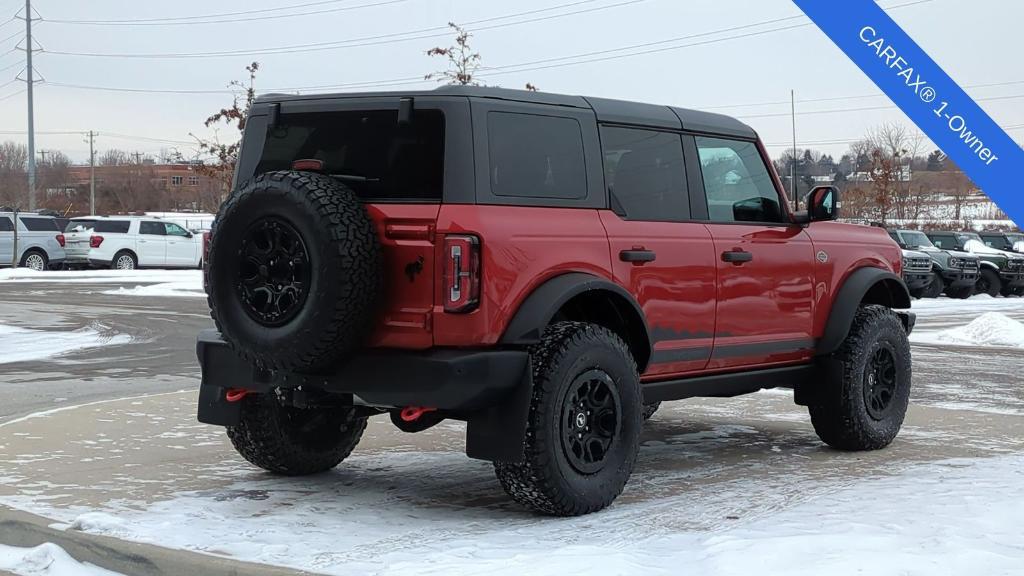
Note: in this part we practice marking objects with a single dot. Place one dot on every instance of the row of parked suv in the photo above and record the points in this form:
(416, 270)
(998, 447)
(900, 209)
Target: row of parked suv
(961, 264)
(119, 242)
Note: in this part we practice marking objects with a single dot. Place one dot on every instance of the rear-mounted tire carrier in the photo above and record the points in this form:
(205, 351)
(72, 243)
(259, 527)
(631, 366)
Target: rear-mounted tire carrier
(294, 271)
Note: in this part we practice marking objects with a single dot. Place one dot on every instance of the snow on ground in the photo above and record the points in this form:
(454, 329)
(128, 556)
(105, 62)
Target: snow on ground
(193, 277)
(980, 303)
(189, 289)
(954, 517)
(24, 344)
(989, 329)
(45, 560)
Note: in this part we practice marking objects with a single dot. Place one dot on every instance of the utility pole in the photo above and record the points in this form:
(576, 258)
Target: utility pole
(30, 82)
(92, 174)
(792, 164)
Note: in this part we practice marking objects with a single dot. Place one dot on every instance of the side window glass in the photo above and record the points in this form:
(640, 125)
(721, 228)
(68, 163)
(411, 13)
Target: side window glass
(152, 228)
(737, 183)
(175, 230)
(536, 156)
(645, 174)
(6, 224)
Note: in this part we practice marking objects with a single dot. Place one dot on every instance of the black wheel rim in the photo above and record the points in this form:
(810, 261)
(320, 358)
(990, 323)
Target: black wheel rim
(982, 285)
(273, 272)
(880, 381)
(590, 420)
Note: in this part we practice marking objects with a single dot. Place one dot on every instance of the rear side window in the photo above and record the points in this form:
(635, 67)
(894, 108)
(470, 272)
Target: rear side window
(5, 224)
(153, 228)
(536, 156)
(367, 150)
(645, 174)
(737, 183)
(112, 226)
(40, 224)
(74, 225)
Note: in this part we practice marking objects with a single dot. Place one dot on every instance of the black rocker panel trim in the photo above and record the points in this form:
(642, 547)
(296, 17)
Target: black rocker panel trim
(730, 384)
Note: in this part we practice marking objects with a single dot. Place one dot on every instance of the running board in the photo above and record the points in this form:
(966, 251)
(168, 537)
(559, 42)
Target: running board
(728, 385)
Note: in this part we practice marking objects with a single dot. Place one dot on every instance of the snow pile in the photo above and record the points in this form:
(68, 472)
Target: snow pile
(956, 517)
(25, 275)
(189, 289)
(23, 344)
(989, 329)
(45, 560)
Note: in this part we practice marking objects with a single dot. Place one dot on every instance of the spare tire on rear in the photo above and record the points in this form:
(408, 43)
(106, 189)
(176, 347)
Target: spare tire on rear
(293, 271)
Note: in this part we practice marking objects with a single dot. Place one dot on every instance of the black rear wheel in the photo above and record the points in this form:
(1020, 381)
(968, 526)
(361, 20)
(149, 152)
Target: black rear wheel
(584, 424)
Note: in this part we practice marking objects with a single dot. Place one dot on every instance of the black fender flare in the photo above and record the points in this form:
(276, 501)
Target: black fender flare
(850, 296)
(537, 310)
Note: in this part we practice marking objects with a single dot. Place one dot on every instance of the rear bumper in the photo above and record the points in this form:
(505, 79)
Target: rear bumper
(451, 380)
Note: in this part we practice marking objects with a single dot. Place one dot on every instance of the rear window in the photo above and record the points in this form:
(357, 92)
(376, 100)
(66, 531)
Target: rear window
(367, 150)
(40, 224)
(112, 226)
(536, 156)
(75, 224)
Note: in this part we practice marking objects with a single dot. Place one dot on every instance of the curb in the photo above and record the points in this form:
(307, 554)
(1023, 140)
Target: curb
(129, 558)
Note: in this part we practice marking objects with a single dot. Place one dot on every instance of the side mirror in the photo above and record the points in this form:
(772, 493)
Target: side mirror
(823, 204)
(188, 234)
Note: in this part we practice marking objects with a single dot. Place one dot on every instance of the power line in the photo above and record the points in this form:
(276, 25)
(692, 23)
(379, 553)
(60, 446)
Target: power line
(391, 38)
(864, 109)
(9, 96)
(173, 20)
(228, 21)
(837, 98)
(15, 65)
(513, 68)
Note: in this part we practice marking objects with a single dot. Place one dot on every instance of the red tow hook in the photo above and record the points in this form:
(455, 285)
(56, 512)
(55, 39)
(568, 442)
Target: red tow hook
(413, 413)
(236, 394)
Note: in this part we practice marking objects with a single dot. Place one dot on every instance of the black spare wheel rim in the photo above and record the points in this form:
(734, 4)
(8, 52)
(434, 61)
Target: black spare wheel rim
(880, 381)
(273, 272)
(591, 420)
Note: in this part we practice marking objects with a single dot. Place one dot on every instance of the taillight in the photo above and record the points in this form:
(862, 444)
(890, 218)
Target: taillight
(308, 165)
(206, 245)
(60, 240)
(95, 241)
(461, 273)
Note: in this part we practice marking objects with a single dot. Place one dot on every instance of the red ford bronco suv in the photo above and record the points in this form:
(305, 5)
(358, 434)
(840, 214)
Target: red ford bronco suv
(545, 268)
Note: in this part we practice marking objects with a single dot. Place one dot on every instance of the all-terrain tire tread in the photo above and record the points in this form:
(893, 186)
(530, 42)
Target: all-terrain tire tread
(835, 414)
(355, 248)
(258, 438)
(532, 482)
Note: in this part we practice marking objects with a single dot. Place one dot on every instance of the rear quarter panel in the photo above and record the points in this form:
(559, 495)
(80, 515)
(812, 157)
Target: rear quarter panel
(846, 248)
(522, 247)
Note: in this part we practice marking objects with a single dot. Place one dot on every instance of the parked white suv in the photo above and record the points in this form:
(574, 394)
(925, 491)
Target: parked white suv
(128, 242)
(40, 243)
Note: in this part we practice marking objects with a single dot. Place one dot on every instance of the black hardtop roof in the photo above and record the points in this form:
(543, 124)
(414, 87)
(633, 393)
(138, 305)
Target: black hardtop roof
(606, 110)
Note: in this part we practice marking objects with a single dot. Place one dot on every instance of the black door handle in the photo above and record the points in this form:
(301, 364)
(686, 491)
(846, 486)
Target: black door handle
(737, 256)
(637, 256)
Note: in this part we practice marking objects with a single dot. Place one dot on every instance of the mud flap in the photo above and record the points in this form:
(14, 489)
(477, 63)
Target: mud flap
(215, 409)
(826, 369)
(497, 433)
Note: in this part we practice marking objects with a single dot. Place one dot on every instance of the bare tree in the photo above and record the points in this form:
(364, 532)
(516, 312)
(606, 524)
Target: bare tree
(224, 154)
(13, 174)
(463, 62)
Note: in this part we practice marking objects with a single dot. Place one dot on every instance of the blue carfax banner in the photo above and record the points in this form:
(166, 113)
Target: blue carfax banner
(915, 83)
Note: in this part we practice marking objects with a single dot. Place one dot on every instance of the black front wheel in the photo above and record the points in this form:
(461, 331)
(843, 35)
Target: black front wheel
(961, 293)
(863, 405)
(988, 283)
(935, 288)
(584, 423)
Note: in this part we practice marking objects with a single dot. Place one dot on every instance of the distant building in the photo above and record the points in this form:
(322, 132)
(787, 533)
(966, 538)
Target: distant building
(165, 176)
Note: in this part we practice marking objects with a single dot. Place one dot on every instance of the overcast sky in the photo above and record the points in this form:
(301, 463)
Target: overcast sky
(978, 42)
